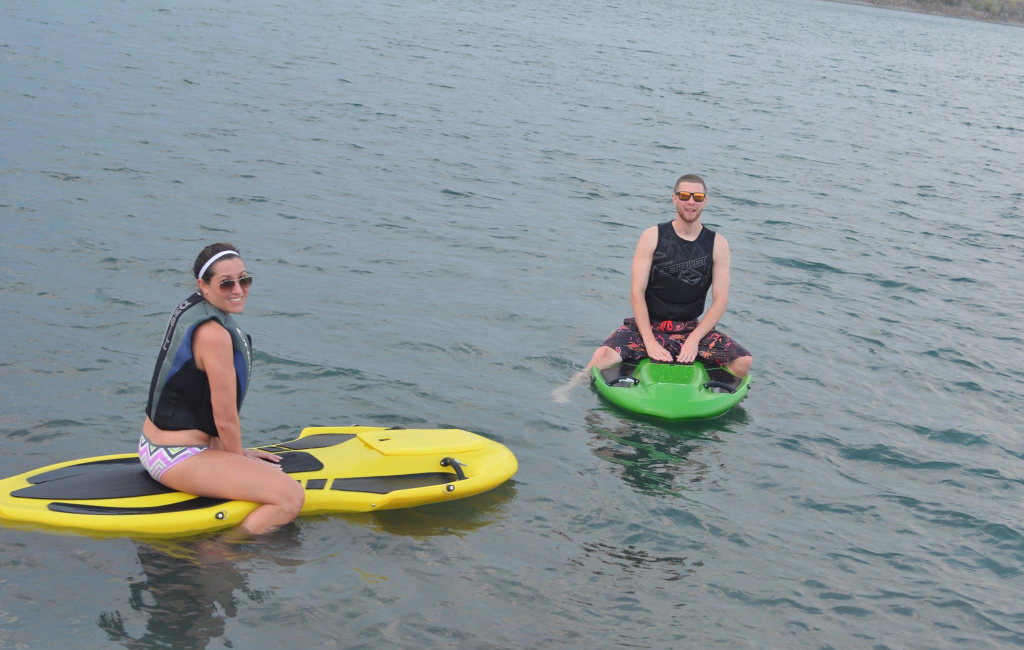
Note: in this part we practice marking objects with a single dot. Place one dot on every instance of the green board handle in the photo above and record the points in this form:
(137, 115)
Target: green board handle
(719, 384)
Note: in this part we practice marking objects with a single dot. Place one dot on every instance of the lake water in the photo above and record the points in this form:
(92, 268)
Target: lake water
(440, 201)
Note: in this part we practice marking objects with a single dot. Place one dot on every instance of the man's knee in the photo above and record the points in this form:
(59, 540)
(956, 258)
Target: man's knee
(604, 357)
(741, 366)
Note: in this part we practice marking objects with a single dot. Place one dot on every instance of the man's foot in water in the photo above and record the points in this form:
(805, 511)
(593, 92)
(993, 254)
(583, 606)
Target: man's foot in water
(560, 395)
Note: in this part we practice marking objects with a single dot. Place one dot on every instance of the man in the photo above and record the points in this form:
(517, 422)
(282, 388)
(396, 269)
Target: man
(674, 266)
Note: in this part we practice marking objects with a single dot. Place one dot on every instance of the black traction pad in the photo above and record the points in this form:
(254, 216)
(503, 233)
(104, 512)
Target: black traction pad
(108, 479)
(726, 377)
(620, 371)
(183, 506)
(121, 478)
(316, 441)
(83, 468)
(386, 484)
(299, 461)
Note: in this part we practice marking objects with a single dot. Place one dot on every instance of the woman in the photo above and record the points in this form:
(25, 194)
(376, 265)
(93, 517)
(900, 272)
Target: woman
(192, 439)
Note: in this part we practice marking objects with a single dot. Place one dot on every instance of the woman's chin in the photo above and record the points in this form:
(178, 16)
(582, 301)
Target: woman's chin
(233, 307)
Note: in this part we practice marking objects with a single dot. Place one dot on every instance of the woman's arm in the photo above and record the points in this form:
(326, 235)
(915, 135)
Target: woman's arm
(214, 354)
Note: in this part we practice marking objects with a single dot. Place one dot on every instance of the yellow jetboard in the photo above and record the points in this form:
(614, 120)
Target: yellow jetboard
(343, 469)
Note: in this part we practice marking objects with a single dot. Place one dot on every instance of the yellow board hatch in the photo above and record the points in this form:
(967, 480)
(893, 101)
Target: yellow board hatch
(416, 442)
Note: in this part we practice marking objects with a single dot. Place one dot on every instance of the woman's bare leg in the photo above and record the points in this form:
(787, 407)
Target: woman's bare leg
(224, 475)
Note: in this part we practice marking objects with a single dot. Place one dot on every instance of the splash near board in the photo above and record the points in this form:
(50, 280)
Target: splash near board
(343, 469)
(671, 391)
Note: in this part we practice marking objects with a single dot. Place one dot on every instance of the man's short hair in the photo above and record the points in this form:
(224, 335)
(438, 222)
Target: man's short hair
(690, 178)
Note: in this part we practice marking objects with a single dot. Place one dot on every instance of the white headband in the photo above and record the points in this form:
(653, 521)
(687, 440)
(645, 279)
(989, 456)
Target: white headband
(213, 259)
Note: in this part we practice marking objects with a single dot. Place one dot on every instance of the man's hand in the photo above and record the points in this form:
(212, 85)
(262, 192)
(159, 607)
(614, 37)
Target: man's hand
(656, 352)
(689, 351)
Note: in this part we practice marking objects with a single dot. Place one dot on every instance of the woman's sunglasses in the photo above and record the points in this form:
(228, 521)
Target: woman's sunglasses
(697, 196)
(226, 286)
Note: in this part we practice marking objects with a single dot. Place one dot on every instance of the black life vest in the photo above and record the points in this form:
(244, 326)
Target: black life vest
(680, 275)
(179, 394)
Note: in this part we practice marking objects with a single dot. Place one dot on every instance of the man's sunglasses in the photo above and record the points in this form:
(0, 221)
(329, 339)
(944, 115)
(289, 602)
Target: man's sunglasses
(697, 196)
(226, 286)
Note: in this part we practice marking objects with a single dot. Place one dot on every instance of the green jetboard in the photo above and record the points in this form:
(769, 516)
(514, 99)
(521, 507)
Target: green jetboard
(671, 391)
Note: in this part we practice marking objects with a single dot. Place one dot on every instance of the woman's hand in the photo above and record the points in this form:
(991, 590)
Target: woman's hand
(261, 455)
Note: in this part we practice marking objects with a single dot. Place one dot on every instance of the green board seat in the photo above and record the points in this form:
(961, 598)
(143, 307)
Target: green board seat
(671, 391)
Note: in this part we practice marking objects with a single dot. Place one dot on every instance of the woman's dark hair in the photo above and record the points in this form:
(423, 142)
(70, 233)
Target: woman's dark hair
(205, 256)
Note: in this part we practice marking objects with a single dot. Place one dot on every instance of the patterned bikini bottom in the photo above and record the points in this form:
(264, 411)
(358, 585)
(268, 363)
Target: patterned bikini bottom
(157, 459)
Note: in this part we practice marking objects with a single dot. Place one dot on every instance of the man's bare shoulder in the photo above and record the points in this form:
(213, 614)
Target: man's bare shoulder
(649, 234)
(721, 245)
(648, 241)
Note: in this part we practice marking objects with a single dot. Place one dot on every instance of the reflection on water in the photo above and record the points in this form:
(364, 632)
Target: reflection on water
(653, 457)
(188, 589)
(632, 560)
(452, 518)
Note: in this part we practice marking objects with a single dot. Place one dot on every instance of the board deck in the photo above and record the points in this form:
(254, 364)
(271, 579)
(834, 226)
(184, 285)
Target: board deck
(671, 391)
(343, 469)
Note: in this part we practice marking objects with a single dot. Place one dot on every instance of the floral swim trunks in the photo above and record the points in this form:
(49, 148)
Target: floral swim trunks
(714, 349)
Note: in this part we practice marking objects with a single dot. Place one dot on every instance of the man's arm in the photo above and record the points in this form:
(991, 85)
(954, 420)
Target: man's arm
(719, 300)
(642, 260)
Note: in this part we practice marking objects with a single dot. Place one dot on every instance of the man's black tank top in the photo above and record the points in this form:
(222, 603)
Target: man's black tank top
(680, 275)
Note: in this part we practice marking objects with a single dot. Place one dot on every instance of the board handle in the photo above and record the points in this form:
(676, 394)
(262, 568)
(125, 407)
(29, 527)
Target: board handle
(448, 461)
(719, 384)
